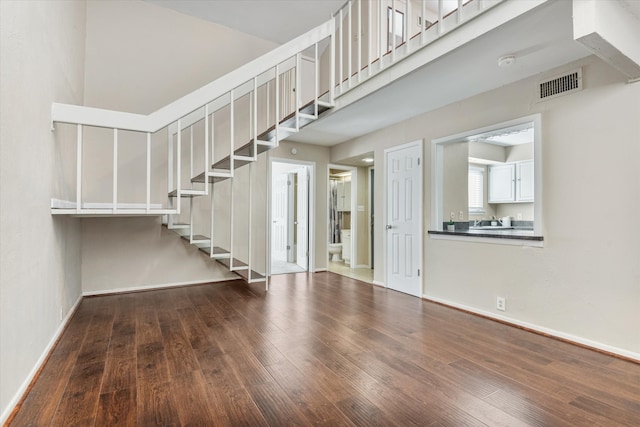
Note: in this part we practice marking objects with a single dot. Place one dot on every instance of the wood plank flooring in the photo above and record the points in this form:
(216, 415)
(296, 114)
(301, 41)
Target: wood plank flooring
(317, 349)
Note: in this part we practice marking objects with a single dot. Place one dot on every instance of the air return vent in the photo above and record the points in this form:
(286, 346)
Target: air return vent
(560, 85)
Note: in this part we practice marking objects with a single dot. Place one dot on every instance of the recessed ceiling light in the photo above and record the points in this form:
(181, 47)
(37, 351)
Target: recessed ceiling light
(506, 61)
(367, 160)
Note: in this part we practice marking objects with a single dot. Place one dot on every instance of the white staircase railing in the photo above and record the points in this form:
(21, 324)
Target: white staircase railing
(371, 38)
(233, 119)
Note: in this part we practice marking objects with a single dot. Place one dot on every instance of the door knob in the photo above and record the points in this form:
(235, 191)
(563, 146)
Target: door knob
(388, 227)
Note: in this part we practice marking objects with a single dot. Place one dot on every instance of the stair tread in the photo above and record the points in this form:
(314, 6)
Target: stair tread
(236, 263)
(196, 237)
(216, 250)
(269, 135)
(174, 193)
(201, 178)
(244, 273)
(177, 225)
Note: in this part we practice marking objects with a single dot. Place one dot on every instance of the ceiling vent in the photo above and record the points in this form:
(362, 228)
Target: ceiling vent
(560, 85)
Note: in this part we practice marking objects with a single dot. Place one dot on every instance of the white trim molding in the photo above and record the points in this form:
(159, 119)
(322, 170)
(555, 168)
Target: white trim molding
(541, 329)
(24, 387)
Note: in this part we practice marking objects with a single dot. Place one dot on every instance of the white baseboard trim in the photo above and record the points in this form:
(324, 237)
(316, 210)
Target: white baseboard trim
(375, 282)
(36, 368)
(547, 331)
(362, 265)
(152, 287)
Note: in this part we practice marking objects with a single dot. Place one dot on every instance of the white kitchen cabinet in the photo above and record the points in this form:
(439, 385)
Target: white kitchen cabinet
(511, 182)
(524, 181)
(502, 180)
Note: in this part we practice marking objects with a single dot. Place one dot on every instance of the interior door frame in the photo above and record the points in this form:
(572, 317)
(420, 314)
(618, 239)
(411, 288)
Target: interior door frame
(312, 207)
(419, 143)
(354, 208)
(370, 223)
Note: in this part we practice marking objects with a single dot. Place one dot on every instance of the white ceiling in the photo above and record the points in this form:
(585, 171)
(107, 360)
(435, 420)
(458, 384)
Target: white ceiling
(275, 20)
(540, 40)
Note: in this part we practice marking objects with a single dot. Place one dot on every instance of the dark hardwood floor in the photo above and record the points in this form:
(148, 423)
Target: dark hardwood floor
(318, 349)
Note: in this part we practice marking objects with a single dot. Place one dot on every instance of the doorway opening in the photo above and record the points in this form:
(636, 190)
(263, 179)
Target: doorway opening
(349, 218)
(290, 217)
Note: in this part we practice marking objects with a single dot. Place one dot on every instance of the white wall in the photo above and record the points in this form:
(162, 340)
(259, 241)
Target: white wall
(584, 282)
(42, 51)
(139, 58)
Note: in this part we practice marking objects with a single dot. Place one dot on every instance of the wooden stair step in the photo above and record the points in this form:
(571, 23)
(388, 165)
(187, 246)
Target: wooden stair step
(270, 134)
(212, 179)
(196, 237)
(236, 263)
(217, 251)
(174, 193)
(177, 226)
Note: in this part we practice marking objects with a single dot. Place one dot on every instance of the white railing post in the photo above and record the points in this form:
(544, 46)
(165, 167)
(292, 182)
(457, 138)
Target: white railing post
(349, 42)
(255, 117)
(341, 53)
(316, 88)
(148, 172)
(381, 26)
(393, 30)
(250, 217)
(369, 38)
(231, 132)
(359, 38)
(268, 102)
(277, 102)
(423, 25)
(332, 69)
(79, 169)
(213, 140)
(115, 170)
(179, 166)
(405, 30)
(460, 12)
(440, 16)
(211, 219)
(298, 80)
(170, 162)
(206, 149)
(191, 154)
(232, 222)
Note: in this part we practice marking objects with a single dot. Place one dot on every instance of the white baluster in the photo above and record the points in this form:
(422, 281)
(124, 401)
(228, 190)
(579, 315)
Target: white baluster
(115, 170)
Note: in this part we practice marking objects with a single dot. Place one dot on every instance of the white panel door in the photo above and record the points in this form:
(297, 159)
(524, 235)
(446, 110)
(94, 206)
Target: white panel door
(302, 233)
(279, 218)
(403, 228)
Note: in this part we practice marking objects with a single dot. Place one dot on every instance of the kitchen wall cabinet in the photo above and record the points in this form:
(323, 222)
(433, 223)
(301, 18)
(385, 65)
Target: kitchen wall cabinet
(511, 182)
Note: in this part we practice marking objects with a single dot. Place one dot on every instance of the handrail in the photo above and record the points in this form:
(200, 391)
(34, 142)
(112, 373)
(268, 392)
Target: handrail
(75, 114)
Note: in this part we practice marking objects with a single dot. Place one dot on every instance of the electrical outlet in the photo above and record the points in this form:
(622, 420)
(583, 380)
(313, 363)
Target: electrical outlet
(501, 303)
(461, 215)
(519, 216)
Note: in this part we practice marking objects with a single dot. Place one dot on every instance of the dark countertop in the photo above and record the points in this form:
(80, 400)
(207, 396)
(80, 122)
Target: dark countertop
(512, 233)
